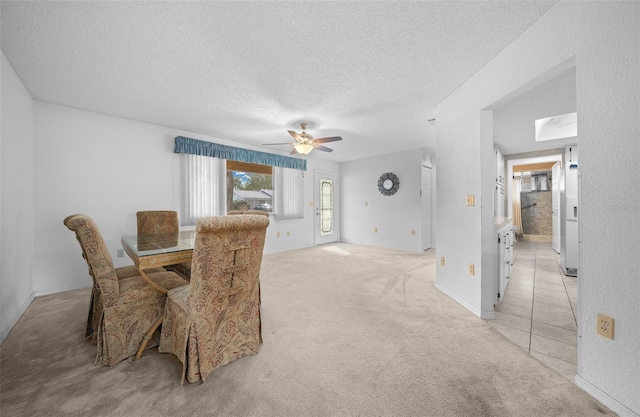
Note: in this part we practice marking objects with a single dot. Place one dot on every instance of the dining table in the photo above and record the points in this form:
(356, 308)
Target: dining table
(150, 251)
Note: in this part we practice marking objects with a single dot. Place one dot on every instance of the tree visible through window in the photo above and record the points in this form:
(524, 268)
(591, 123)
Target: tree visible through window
(249, 186)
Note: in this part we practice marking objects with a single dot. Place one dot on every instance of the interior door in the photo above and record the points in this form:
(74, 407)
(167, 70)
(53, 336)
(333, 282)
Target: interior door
(555, 207)
(426, 207)
(326, 203)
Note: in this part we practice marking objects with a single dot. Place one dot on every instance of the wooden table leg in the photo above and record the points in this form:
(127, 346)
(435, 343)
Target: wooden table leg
(150, 282)
(157, 324)
(147, 337)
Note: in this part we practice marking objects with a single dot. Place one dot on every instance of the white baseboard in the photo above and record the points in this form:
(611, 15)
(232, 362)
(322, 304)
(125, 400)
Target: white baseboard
(57, 290)
(5, 332)
(604, 398)
(16, 317)
(460, 301)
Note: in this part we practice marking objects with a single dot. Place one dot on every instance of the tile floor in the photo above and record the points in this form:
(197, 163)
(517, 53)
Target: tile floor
(540, 306)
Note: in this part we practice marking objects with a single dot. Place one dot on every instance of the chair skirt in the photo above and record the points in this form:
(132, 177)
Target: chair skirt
(204, 345)
(123, 326)
(96, 306)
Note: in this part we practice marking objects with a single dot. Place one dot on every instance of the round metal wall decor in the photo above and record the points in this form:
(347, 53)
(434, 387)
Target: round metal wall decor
(388, 183)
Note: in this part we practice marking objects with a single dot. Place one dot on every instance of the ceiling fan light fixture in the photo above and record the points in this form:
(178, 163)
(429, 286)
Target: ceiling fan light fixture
(303, 148)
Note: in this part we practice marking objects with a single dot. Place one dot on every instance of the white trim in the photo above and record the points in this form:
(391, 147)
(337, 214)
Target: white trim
(611, 403)
(5, 332)
(57, 290)
(487, 315)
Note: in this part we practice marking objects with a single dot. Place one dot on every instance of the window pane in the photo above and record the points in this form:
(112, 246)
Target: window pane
(326, 207)
(249, 186)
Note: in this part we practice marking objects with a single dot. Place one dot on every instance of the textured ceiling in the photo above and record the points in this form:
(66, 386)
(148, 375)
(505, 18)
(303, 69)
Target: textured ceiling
(371, 72)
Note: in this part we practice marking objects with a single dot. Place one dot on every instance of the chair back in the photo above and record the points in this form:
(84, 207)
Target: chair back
(157, 222)
(97, 255)
(257, 212)
(227, 257)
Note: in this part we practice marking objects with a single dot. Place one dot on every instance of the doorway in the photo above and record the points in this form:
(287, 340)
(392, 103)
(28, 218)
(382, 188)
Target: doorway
(327, 220)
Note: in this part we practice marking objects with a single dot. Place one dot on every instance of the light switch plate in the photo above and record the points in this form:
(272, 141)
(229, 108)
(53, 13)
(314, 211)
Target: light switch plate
(471, 200)
(472, 269)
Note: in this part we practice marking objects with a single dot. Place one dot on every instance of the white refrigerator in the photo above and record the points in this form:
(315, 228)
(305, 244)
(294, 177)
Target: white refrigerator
(569, 211)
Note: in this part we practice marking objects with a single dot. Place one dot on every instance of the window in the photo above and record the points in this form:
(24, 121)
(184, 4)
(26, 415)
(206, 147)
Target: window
(202, 186)
(289, 193)
(214, 186)
(249, 186)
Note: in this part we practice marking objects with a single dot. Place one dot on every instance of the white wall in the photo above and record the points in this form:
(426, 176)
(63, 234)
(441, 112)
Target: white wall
(109, 168)
(16, 198)
(604, 40)
(513, 121)
(103, 166)
(364, 208)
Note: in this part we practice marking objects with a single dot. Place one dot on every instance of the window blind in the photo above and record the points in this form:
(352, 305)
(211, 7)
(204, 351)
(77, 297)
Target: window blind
(289, 193)
(203, 189)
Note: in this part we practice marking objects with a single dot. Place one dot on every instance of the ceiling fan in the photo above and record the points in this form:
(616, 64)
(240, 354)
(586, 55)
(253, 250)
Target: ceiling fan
(305, 143)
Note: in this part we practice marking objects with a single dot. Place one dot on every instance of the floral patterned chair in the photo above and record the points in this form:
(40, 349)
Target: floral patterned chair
(130, 306)
(95, 301)
(157, 222)
(161, 223)
(216, 319)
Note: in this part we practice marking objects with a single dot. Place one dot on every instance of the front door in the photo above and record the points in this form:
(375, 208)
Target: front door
(326, 204)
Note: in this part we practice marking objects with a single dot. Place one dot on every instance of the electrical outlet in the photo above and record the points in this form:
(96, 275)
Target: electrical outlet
(120, 253)
(366, 203)
(288, 234)
(375, 230)
(311, 204)
(278, 234)
(472, 269)
(605, 326)
(413, 232)
(471, 200)
(442, 260)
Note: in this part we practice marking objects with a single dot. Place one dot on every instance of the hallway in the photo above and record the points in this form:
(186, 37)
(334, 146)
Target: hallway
(540, 307)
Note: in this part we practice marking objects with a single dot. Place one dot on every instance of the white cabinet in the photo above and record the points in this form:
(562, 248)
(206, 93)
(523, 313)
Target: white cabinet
(499, 166)
(505, 257)
(499, 190)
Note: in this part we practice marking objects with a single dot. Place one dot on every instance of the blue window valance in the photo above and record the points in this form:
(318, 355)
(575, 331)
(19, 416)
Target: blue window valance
(214, 150)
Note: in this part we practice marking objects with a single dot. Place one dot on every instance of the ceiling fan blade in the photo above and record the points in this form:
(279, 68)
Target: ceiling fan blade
(329, 139)
(281, 143)
(322, 148)
(297, 137)
(293, 152)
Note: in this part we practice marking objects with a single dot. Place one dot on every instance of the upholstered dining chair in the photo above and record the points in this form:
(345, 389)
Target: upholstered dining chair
(129, 306)
(216, 319)
(161, 223)
(257, 212)
(157, 222)
(95, 300)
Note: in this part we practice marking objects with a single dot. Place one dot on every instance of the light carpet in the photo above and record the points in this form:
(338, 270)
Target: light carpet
(348, 330)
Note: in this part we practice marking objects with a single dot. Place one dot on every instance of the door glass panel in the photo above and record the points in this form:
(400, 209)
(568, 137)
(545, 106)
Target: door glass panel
(326, 207)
